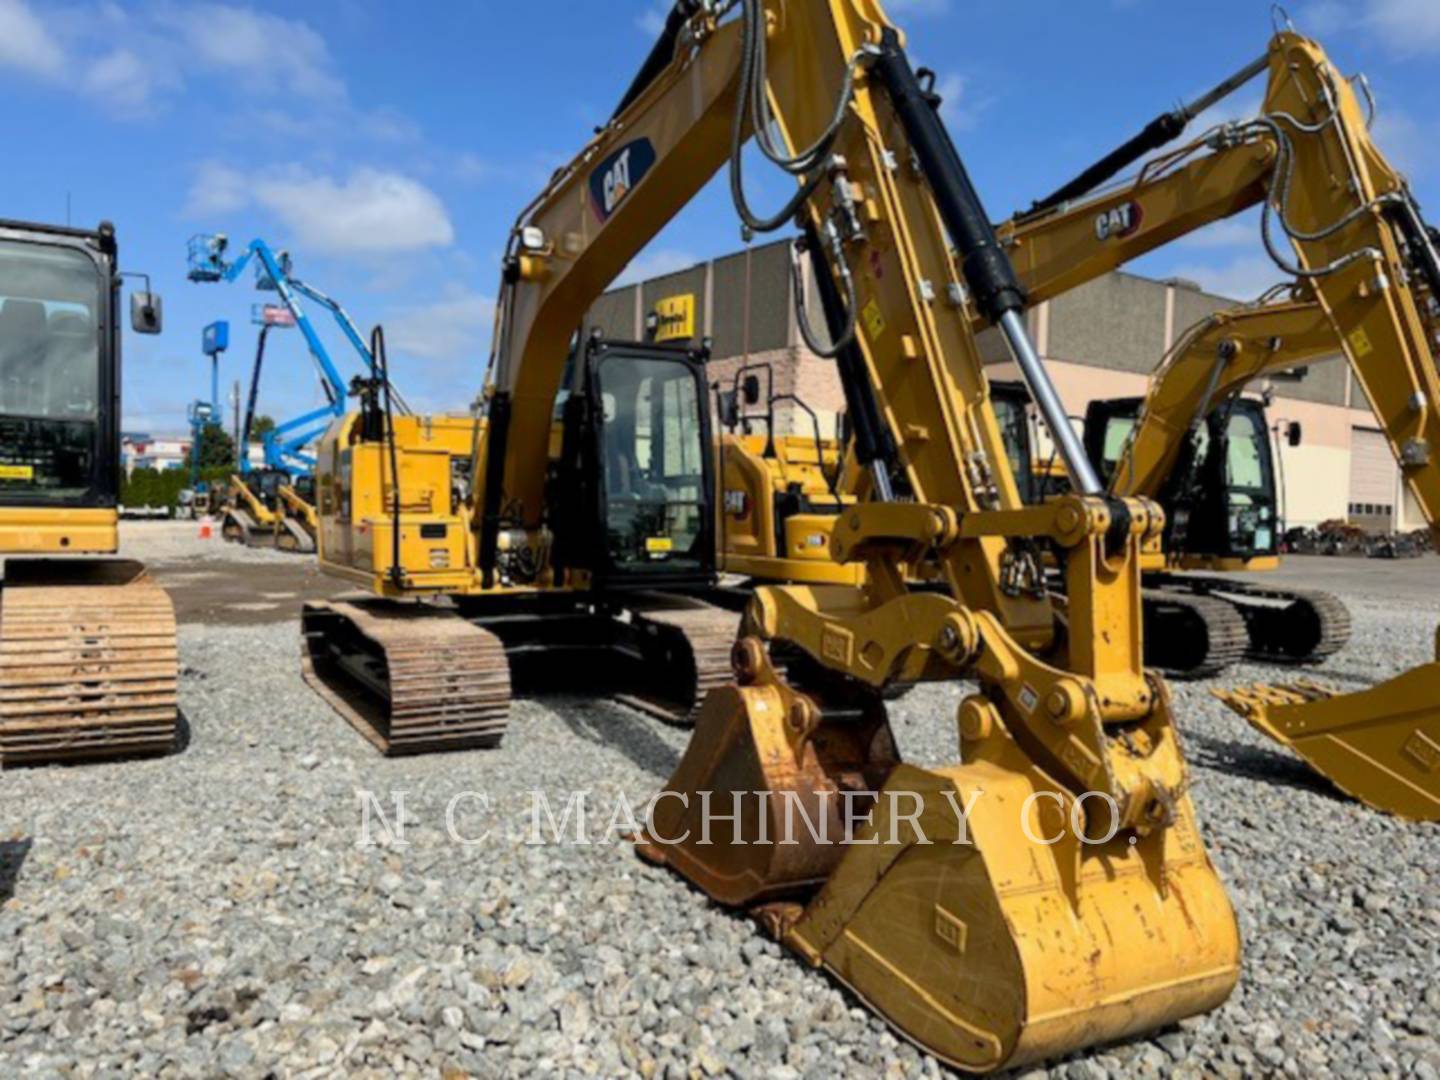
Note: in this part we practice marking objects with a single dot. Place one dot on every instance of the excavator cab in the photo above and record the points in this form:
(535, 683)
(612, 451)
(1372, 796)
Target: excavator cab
(58, 365)
(631, 492)
(87, 646)
(1221, 503)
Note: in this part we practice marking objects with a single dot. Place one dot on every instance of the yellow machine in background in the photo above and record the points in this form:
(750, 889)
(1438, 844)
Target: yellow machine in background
(88, 661)
(263, 509)
(779, 494)
(1208, 459)
(301, 509)
(607, 582)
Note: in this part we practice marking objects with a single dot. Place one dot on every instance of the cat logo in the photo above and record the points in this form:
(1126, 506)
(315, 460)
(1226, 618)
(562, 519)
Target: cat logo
(736, 503)
(618, 175)
(1118, 221)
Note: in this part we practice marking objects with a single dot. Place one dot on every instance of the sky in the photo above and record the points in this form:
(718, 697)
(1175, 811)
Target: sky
(390, 146)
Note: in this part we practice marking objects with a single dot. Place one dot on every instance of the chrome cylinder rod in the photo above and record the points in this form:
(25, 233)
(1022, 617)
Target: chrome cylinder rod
(1082, 474)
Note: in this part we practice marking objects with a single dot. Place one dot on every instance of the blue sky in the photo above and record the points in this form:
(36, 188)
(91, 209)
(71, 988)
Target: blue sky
(389, 146)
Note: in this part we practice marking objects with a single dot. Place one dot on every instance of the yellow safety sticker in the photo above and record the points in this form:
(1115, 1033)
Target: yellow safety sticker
(654, 544)
(874, 321)
(17, 472)
(1360, 342)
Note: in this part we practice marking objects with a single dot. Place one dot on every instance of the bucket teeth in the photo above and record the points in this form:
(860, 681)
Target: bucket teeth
(1380, 745)
(1252, 701)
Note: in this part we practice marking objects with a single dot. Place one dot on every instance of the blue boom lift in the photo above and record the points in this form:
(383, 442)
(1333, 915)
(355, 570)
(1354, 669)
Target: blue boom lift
(276, 502)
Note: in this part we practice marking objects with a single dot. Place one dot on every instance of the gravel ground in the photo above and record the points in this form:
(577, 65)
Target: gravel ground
(173, 541)
(213, 912)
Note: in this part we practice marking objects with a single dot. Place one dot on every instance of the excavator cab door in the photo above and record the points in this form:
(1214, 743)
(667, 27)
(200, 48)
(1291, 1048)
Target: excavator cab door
(650, 471)
(1239, 518)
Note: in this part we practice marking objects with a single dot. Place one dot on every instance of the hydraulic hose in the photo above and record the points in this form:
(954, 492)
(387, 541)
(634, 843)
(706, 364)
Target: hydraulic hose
(382, 364)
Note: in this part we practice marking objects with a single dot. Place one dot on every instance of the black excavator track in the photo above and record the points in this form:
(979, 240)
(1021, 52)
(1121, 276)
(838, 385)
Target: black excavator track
(1189, 635)
(1283, 626)
(685, 646)
(415, 678)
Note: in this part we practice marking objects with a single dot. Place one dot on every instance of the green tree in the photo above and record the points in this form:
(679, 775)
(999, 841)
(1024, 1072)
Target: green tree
(141, 488)
(261, 426)
(217, 448)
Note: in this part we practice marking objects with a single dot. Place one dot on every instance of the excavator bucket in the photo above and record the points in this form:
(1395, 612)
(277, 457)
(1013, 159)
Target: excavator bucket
(1380, 745)
(951, 911)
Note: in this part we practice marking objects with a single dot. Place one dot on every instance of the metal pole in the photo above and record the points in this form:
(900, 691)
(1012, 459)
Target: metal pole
(1082, 473)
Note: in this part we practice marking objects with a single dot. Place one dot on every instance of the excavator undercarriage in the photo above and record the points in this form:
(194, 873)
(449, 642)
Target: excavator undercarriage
(416, 678)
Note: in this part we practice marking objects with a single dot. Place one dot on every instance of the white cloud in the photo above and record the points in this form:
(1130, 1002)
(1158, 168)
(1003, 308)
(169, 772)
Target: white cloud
(1407, 27)
(369, 212)
(25, 42)
(1244, 277)
(653, 264)
(471, 167)
(132, 59)
(280, 53)
(454, 329)
(958, 111)
(217, 189)
(124, 81)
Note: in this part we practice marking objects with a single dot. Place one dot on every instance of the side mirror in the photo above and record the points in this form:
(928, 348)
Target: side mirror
(1293, 433)
(729, 409)
(752, 389)
(147, 312)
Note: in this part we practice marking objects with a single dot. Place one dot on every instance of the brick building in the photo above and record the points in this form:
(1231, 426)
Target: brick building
(1101, 340)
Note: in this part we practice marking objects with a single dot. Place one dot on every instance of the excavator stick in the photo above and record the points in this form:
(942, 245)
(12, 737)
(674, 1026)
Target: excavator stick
(1381, 746)
(88, 662)
(411, 678)
(1050, 890)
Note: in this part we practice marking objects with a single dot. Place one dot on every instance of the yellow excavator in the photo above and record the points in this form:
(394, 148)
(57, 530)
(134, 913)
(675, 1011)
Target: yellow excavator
(88, 661)
(987, 909)
(1341, 223)
(1207, 457)
(586, 546)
